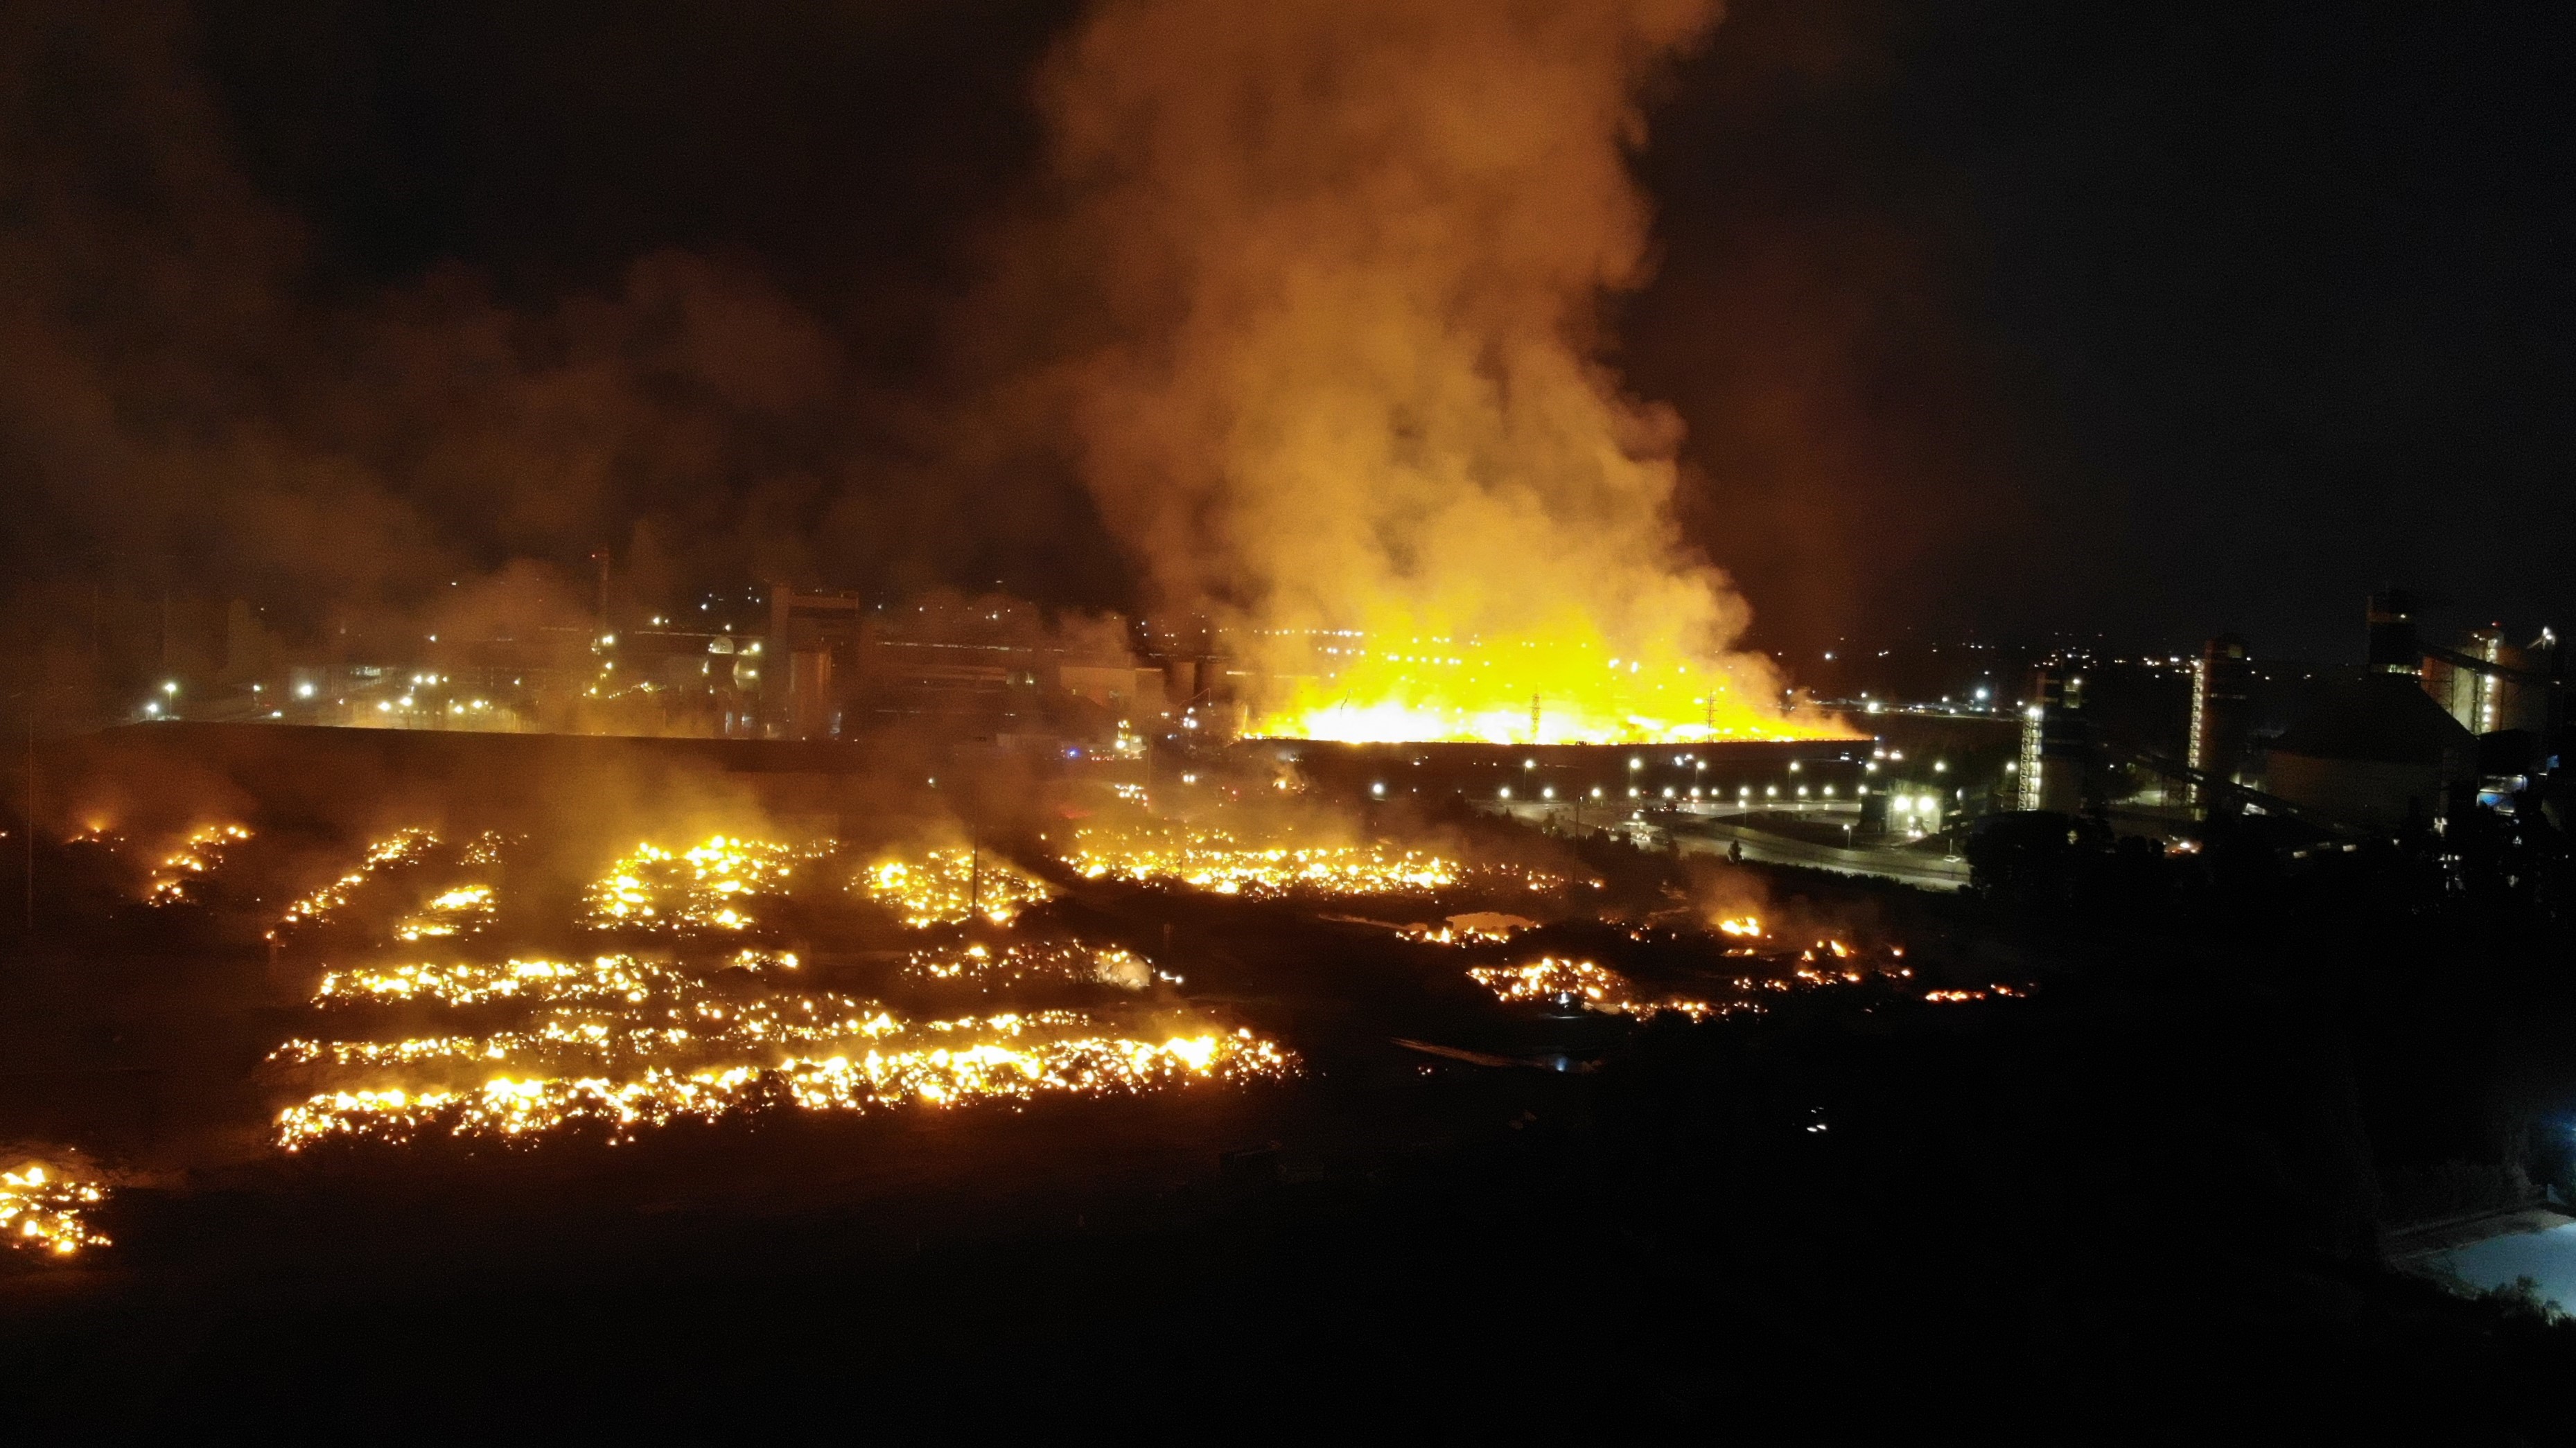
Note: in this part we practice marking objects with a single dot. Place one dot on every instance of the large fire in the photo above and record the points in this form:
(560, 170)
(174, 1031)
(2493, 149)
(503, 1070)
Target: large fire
(1365, 689)
(1353, 410)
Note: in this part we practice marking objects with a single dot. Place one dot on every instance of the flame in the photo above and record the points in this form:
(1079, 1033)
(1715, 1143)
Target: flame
(946, 887)
(41, 1209)
(201, 852)
(1589, 984)
(402, 847)
(1350, 408)
(1541, 689)
(628, 1044)
(707, 887)
(463, 910)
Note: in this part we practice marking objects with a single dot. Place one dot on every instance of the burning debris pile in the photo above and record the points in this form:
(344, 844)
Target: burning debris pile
(1028, 962)
(45, 1209)
(1719, 987)
(1585, 985)
(620, 1048)
(527, 1046)
(403, 847)
(464, 910)
(709, 887)
(1221, 861)
(950, 887)
(201, 853)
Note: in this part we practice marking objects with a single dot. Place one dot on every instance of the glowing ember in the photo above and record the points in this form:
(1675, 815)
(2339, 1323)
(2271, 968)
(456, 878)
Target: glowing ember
(1029, 961)
(400, 848)
(1477, 927)
(1206, 858)
(173, 883)
(710, 887)
(622, 1044)
(949, 887)
(41, 1210)
(608, 977)
(605, 977)
(461, 911)
(1593, 987)
(568, 1038)
(1959, 997)
(930, 1076)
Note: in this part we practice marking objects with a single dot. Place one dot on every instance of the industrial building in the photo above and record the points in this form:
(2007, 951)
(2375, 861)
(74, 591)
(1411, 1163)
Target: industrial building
(2375, 750)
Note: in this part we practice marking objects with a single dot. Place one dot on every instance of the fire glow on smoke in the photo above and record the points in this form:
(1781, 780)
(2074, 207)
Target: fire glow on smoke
(1348, 405)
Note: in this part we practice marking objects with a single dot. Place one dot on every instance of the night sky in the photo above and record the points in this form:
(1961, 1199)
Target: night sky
(1992, 317)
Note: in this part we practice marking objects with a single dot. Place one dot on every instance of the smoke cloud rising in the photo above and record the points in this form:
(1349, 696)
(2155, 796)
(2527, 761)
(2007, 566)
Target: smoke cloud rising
(201, 396)
(1301, 304)
(1351, 257)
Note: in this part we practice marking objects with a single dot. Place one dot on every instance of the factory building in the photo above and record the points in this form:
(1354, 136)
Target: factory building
(2222, 687)
(2488, 701)
(2374, 750)
(2055, 746)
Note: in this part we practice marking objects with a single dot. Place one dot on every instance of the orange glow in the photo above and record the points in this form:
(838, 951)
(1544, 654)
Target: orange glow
(1553, 689)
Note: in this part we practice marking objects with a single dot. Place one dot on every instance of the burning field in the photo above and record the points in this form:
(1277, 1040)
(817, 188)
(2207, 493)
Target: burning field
(507, 985)
(565, 1035)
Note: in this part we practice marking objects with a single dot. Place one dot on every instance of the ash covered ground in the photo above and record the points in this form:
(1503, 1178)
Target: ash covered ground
(996, 1097)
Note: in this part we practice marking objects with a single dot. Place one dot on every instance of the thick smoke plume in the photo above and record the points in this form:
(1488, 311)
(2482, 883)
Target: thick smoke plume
(1352, 256)
(201, 396)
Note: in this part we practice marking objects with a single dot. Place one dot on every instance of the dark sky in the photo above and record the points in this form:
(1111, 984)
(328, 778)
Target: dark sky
(2007, 317)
